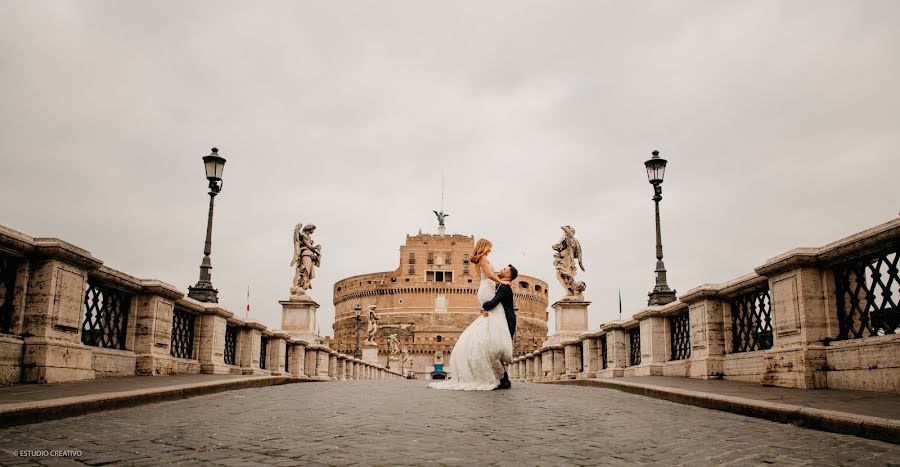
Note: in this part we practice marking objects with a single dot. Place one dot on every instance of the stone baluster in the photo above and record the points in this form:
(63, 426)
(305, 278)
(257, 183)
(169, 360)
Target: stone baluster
(154, 311)
(53, 313)
(590, 355)
(250, 342)
(571, 352)
(653, 341)
(616, 349)
(298, 358)
(559, 362)
(312, 360)
(801, 292)
(278, 347)
(213, 321)
(706, 309)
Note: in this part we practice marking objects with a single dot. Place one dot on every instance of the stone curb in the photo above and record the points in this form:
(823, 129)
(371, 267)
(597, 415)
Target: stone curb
(23, 413)
(864, 426)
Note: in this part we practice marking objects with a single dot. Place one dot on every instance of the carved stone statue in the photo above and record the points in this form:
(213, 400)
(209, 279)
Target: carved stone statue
(440, 217)
(372, 324)
(404, 359)
(394, 345)
(568, 251)
(307, 257)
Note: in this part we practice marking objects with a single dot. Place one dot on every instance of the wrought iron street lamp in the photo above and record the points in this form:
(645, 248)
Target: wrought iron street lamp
(661, 294)
(204, 291)
(358, 310)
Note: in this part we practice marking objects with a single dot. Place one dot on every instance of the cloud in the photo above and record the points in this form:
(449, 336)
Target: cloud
(779, 122)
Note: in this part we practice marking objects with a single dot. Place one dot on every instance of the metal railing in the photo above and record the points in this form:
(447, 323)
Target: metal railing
(634, 341)
(263, 350)
(868, 294)
(751, 320)
(231, 333)
(105, 316)
(680, 336)
(182, 345)
(8, 266)
(603, 354)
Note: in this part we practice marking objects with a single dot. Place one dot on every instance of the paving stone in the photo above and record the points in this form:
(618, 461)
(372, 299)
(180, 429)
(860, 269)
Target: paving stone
(403, 423)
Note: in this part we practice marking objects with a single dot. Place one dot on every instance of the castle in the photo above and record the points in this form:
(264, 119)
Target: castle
(429, 300)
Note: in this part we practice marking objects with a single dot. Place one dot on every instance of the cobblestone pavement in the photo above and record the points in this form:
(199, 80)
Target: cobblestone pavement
(402, 422)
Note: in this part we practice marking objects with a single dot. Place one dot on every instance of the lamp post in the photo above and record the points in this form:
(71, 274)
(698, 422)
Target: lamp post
(661, 294)
(358, 310)
(204, 291)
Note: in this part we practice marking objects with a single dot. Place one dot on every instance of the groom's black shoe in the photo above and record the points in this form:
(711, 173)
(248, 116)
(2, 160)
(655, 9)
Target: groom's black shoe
(504, 382)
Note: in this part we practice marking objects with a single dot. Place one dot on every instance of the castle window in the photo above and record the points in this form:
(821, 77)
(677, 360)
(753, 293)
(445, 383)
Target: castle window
(412, 258)
(466, 258)
(449, 257)
(393, 279)
(537, 287)
(412, 270)
(338, 289)
(439, 338)
(466, 270)
(523, 284)
(439, 276)
(430, 258)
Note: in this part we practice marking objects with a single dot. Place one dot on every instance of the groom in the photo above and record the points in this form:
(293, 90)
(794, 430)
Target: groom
(504, 296)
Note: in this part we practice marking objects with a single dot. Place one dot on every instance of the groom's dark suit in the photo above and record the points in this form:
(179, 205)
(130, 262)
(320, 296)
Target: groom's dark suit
(504, 297)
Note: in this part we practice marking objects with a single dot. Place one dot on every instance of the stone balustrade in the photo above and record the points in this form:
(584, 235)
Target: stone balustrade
(823, 317)
(65, 316)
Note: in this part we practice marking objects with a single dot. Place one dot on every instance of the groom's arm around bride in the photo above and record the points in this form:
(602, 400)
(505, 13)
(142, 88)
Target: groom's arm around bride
(504, 296)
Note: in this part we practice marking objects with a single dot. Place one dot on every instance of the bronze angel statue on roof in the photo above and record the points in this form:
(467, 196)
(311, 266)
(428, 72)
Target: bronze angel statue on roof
(440, 217)
(567, 257)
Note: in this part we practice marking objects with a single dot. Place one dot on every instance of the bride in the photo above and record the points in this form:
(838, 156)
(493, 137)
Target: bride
(476, 358)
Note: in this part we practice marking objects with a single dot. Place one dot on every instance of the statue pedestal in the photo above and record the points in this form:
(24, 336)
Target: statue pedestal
(298, 318)
(571, 320)
(370, 353)
(393, 363)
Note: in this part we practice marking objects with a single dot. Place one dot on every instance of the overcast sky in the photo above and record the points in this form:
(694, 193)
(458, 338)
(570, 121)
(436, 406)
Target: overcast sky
(779, 120)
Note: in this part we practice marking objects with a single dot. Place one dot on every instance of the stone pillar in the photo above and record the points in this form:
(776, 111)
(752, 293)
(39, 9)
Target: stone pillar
(559, 362)
(547, 363)
(529, 367)
(324, 354)
(153, 331)
(211, 351)
(298, 318)
(572, 359)
(653, 341)
(53, 314)
(514, 370)
(590, 355)
(797, 288)
(616, 350)
(18, 246)
(341, 367)
(356, 375)
(571, 320)
(298, 358)
(538, 366)
(312, 360)
(278, 347)
(250, 342)
(370, 353)
(332, 364)
(707, 330)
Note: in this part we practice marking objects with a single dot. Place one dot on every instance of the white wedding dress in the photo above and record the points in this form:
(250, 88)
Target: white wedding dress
(475, 362)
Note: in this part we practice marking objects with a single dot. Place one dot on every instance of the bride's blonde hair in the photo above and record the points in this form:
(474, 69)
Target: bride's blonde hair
(481, 249)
